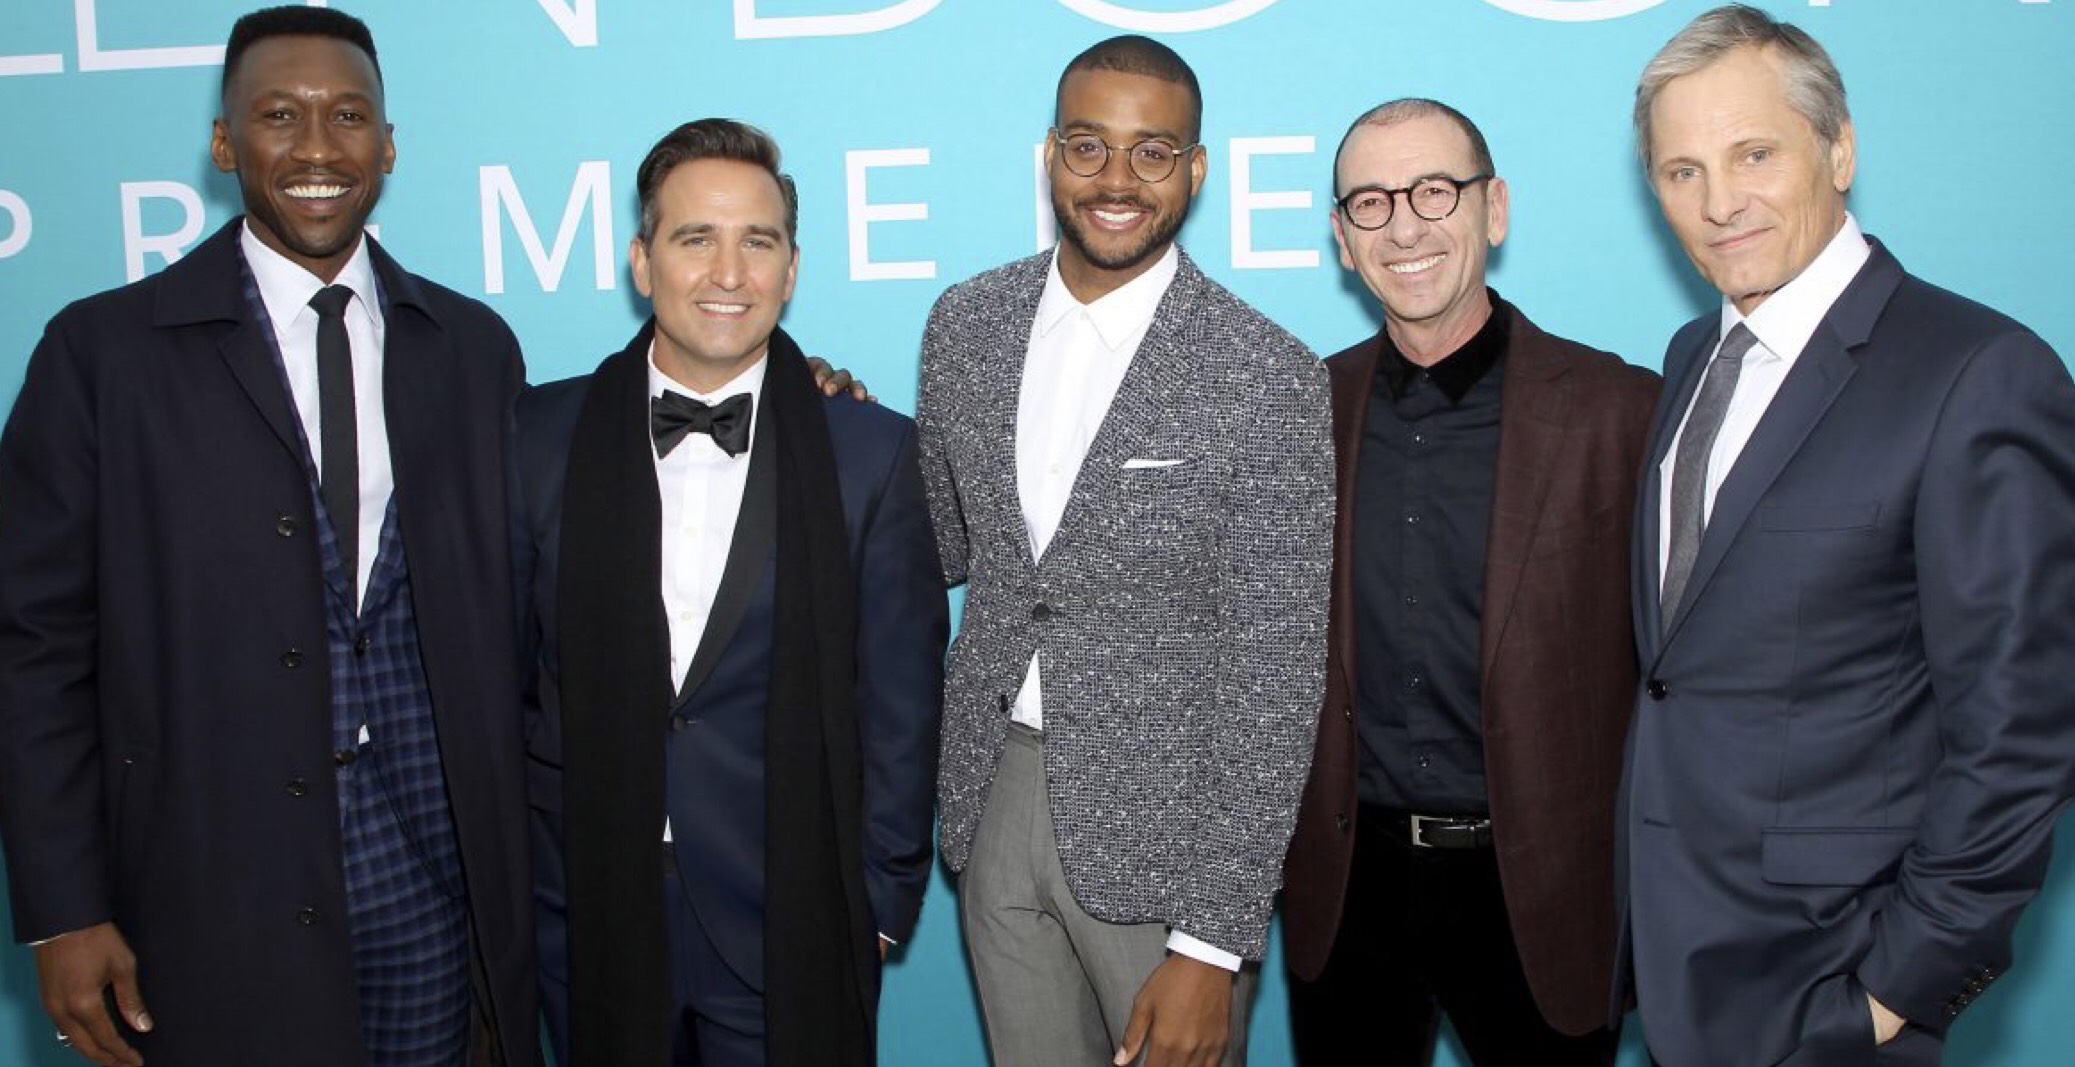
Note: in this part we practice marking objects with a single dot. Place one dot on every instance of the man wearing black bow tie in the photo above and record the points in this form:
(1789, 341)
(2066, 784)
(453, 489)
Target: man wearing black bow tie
(737, 631)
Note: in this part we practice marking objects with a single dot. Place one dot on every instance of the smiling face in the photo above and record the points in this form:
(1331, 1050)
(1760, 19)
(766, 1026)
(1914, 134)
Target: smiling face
(1429, 276)
(1749, 188)
(718, 270)
(304, 130)
(1114, 226)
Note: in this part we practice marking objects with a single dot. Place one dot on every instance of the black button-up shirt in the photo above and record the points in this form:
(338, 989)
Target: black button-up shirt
(1423, 494)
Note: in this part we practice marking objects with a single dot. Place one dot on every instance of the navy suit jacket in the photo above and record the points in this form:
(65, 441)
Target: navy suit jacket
(1853, 739)
(715, 757)
(165, 711)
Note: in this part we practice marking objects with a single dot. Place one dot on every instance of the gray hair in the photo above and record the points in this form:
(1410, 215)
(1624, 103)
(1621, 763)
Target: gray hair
(1405, 109)
(1814, 88)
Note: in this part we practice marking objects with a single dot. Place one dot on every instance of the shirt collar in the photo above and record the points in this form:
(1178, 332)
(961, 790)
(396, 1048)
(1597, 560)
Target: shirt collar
(1118, 316)
(750, 381)
(285, 286)
(1789, 317)
(1457, 371)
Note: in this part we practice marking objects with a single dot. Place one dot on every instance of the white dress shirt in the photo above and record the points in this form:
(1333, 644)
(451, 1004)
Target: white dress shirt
(700, 486)
(1076, 360)
(1783, 325)
(285, 287)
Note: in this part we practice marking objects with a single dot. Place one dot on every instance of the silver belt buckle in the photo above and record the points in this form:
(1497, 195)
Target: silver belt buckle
(1419, 829)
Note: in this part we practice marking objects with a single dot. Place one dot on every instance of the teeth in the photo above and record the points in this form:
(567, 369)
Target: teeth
(316, 192)
(1116, 216)
(1415, 266)
(723, 309)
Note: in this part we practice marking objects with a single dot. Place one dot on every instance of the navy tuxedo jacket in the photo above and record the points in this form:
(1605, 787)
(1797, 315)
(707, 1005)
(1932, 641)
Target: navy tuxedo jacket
(1853, 738)
(715, 767)
(165, 711)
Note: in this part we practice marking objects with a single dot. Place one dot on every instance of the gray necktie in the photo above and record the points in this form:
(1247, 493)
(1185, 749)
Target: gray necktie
(1690, 468)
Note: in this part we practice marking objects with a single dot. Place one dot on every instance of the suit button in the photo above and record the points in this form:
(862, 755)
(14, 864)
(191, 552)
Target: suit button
(1340, 820)
(1658, 690)
(1347, 712)
(306, 916)
(344, 757)
(361, 644)
(679, 722)
(297, 787)
(292, 658)
(1041, 612)
(285, 526)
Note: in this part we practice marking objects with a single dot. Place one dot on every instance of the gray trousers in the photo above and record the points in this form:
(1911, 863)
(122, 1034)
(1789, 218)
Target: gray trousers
(1056, 984)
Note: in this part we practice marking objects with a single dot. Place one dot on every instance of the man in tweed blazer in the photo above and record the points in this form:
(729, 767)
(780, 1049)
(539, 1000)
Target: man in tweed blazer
(1132, 472)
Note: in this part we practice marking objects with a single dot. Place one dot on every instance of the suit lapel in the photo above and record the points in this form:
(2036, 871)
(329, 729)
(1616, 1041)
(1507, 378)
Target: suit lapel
(210, 285)
(1671, 410)
(1819, 374)
(418, 368)
(1353, 378)
(995, 391)
(1532, 448)
(749, 551)
(1142, 400)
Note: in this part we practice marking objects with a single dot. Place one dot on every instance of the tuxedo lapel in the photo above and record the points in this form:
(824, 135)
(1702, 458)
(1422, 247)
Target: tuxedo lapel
(749, 552)
(1532, 447)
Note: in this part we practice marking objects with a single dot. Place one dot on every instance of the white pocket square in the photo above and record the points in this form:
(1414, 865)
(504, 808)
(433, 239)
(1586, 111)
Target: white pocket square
(1150, 464)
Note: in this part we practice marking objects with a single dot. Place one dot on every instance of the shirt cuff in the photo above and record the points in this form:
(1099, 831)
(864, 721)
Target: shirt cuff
(1183, 944)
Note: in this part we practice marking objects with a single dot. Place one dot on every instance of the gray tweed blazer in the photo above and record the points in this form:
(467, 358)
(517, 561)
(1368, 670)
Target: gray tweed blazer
(1180, 609)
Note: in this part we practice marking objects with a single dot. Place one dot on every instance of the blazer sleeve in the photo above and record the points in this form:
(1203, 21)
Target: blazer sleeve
(51, 788)
(933, 406)
(902, 626)
(1995, 570)
(1274, 562)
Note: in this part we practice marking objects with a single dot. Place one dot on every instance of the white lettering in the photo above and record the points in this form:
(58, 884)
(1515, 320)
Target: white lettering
(1574, 10)
(1131, 18)
(137, 244)
(577, 19)
(592, 186)
(863, 213)
(750, 26)
(87, 23)
(1245, 201)
(44, 64)
(20, 224)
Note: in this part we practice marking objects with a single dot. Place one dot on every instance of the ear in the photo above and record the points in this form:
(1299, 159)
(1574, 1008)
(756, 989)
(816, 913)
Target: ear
(1199, 168)
(637, 264)
(221, 151)
(1844, 158)
(792, 275)
(1347, 258)
(1498, 210)
(388, 148)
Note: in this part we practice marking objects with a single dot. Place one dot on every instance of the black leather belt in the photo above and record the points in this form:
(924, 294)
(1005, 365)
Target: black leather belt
(1434, 831)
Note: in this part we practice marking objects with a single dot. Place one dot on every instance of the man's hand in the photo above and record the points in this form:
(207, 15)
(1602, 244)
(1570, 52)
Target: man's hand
(833, 381)
(74, 970)
(1181, 1017)
(1886, 1024)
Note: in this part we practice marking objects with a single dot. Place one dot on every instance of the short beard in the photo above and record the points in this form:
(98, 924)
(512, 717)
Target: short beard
(1153, 243)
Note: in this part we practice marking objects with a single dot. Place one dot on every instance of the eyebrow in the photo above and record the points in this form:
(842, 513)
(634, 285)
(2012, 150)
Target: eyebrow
(758, 229)
(1090, 126)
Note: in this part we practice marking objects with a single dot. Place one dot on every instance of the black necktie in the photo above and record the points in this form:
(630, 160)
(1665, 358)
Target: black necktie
(672, 415)
(1690, 466)
(339, 480)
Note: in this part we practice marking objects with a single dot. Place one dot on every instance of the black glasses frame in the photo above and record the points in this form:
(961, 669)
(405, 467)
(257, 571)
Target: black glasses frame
(1390, 199)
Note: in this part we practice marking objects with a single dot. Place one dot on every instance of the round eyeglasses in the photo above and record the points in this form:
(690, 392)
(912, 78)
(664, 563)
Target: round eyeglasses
(1432, 198)
(1151, 161)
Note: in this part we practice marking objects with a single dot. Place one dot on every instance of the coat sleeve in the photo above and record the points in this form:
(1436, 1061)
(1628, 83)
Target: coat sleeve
(902, 625)
(946, 511)
(51, 787)
(1274, 562)
(1995, 571)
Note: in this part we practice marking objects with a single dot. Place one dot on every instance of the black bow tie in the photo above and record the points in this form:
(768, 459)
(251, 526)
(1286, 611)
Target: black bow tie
(672, 415)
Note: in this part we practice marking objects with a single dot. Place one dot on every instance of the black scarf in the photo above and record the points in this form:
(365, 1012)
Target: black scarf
(820, 940)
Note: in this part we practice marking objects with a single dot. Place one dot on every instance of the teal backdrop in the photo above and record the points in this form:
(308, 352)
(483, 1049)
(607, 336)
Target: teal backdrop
(913, 129)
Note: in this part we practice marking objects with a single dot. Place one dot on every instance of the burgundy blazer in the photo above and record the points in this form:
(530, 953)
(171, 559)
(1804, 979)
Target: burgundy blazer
(1559, 667)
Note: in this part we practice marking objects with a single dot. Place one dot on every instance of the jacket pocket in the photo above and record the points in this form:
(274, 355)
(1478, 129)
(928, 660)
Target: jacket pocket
(1816, 518)
(1831, 856)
